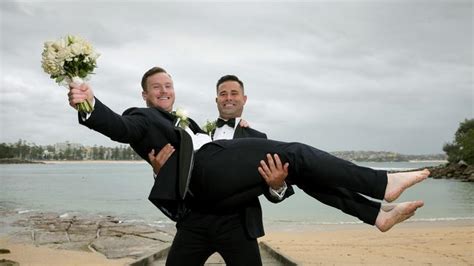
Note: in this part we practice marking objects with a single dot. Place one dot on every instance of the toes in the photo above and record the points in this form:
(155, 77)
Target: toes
(412, 207)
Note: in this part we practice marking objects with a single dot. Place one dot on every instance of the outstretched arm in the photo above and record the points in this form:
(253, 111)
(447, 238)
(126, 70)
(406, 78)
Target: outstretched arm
(127, 128)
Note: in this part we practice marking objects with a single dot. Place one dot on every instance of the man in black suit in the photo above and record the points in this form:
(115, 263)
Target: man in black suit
(235, 226)
(147, 129)
(232, 232)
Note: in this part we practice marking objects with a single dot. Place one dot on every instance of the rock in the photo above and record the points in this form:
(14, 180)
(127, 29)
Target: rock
(469, 170)
(89, 230)
(107, 235)
(126, 246)
(45, 237)
(132, 229)
(460, 171)
(24, 237)
(77, 246)
(4, 251)
(18, 161)
(4, 262)
(160, 236)
(471, 178)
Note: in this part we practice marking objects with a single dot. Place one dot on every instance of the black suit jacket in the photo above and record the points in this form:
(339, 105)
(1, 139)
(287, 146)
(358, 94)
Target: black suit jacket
(252, 212)
(152, 128)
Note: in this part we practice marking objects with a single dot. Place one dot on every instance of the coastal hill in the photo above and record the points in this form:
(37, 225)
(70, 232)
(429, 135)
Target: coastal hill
(385, 156)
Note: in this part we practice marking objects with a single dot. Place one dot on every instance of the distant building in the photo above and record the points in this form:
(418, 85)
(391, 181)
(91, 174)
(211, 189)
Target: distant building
(63, 146)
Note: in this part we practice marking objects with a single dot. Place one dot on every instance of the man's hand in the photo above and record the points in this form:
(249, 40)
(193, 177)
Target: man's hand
(79, 93)
(160, 159)
(274, 172)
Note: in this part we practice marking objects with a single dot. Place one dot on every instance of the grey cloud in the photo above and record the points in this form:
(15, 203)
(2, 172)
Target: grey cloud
(339, 75)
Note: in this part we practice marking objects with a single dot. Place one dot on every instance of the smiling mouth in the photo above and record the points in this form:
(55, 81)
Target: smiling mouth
(163, 98)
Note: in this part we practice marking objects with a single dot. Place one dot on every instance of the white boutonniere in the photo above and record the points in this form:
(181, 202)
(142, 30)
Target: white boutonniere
(209, 126)
(182, 115)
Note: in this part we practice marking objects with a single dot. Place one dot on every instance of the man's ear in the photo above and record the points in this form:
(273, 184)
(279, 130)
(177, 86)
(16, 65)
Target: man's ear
(245, 99)
(144, 95)
(216, 99)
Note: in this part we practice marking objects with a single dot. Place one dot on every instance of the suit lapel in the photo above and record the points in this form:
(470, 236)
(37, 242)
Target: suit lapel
(186, 158)
(239, 132)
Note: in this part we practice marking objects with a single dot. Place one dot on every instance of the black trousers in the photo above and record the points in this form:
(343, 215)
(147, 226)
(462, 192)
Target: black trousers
(199, 235)
(225, 175)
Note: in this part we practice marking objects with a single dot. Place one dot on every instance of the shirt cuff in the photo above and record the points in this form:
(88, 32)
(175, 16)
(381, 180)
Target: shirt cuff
(278, 193)
(85, 116)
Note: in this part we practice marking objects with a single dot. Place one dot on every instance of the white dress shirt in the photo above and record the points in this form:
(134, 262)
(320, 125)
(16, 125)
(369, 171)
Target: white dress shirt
(226, 132)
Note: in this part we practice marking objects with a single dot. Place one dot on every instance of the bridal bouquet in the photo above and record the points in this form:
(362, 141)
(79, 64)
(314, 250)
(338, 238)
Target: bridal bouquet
(70, 59)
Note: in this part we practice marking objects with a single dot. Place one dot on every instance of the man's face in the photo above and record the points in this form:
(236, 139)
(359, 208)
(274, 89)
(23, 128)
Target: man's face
(159, 91)
(230, 100)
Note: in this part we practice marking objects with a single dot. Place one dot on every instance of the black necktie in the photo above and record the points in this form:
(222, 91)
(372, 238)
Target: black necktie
(220, 122)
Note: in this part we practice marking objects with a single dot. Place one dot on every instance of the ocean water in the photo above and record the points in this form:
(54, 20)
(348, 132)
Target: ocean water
(121, 189)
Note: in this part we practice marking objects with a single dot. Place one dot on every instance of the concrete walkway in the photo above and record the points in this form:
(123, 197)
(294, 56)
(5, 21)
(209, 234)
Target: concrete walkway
(269, 257)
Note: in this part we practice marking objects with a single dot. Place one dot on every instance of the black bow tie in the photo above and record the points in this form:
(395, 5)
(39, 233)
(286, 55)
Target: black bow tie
(220, 122)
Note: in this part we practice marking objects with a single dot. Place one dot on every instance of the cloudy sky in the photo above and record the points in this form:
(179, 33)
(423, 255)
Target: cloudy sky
(339, 75)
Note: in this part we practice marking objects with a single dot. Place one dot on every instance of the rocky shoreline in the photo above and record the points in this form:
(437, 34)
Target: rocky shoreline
(108, 235)
(18, 161)
(459, 171)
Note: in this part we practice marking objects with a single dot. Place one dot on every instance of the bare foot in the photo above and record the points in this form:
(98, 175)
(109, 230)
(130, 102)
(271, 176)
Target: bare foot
(398, 182)
(402, 211)
(388, 207)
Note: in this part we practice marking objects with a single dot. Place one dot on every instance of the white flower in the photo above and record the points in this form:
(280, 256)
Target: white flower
(76, 49)
(182, 115)
(59, 45)
(69, 59)
(209, 127)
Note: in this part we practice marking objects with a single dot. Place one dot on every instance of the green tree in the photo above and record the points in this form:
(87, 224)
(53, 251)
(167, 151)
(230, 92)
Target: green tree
(462, 148)
(6, 151)
(116, 154)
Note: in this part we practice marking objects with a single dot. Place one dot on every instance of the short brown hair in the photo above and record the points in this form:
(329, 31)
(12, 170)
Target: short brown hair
(152, 71)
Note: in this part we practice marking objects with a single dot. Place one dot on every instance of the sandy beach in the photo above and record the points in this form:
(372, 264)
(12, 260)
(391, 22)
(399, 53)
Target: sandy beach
(413, 243)
(34, 255)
